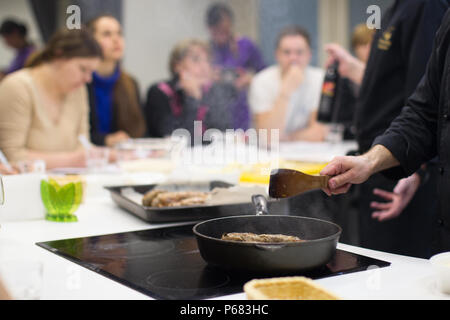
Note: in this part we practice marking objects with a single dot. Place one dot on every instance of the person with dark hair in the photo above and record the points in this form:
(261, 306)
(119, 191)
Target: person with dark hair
(236, 58)
(14, 34)
(46, 103)
(190, 95)
(286, 96)
(115, 108)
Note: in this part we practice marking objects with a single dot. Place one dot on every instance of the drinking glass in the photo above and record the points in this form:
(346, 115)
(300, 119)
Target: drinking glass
(61, 201)
(336, 133)
(31, 166)
(97, 158)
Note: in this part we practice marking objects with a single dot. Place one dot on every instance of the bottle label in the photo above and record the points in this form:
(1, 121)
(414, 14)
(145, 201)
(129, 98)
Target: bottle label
(328, 88)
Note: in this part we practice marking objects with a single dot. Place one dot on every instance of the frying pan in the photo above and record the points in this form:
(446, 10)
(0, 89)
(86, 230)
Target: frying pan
(267, 258)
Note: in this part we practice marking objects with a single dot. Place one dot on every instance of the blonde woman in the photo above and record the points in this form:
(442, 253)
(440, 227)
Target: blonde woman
(190, 95)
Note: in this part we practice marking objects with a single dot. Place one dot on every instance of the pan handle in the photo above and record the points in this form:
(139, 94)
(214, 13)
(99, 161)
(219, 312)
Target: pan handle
(260, 203)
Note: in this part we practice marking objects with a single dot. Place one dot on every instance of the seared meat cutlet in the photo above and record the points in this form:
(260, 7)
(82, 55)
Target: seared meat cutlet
(160, 198)
(189, 201)
(150, 196)
(251, 237)
(168, 198)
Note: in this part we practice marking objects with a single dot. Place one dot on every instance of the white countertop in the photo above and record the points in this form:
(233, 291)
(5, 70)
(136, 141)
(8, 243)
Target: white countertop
(406, 278)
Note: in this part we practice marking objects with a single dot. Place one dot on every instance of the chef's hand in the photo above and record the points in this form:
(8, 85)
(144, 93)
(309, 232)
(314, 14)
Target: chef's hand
(399, 199)
(346, 171)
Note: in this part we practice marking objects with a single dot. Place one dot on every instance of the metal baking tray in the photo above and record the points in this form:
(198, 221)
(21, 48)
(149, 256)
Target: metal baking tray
(189, 213)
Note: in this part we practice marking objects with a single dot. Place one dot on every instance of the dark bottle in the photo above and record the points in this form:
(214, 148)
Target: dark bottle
(327, 107)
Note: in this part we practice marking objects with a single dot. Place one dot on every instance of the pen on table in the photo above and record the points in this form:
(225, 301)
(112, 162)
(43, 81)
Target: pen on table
(84, 141)
(4, 161)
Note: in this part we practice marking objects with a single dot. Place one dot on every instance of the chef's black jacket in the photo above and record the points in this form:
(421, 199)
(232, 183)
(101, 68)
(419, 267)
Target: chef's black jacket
(422, 130)
(397, 61)
(399, 54)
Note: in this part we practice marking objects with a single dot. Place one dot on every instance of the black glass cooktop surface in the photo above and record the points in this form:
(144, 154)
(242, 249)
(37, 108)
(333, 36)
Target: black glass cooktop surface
(165, 263)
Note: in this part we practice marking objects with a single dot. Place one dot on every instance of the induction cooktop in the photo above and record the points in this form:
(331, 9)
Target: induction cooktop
(165, 263)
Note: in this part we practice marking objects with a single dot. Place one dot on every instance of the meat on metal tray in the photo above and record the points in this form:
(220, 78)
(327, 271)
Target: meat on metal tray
(183, 213)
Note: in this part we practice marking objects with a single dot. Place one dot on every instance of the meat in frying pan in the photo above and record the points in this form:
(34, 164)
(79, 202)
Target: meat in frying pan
(251, 237)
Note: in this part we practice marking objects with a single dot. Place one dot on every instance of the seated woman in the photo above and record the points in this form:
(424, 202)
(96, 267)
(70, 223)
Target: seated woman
(115, 109)
(47, 105)
(190, 95)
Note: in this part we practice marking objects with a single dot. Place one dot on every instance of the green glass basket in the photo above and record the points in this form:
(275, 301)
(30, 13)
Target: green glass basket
(61, 201)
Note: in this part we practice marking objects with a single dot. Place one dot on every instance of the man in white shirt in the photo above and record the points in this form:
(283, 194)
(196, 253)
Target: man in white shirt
(286, 96)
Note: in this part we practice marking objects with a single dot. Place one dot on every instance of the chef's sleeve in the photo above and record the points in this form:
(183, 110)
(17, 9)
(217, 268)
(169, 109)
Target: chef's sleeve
(412, 136)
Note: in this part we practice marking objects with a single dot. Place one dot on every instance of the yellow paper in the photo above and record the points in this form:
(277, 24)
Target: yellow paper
(260, 173)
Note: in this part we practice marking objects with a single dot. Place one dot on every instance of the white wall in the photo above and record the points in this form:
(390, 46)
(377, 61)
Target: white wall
(20, 10)
(334, 25)
(151, 29)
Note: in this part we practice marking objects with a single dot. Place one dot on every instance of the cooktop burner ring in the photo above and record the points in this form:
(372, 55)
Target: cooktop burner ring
(201, 278)
(137, 249)
(164, 264)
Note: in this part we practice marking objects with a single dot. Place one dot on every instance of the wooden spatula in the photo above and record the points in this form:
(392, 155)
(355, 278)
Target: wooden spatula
(287, 183)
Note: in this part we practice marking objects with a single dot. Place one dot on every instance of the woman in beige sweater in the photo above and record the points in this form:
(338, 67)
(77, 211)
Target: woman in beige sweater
(44, 108)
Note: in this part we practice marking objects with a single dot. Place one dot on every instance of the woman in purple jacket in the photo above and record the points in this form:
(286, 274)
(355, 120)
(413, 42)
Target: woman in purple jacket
(237, 59)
